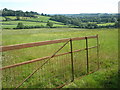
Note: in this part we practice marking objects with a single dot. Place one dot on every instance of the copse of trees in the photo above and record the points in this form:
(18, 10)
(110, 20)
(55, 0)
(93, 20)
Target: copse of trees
(8, 12)
(61, 18)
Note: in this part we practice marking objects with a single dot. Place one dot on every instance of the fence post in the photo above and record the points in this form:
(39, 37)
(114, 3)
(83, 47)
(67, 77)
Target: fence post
(98, 51)
(87, 54)
(72, 66)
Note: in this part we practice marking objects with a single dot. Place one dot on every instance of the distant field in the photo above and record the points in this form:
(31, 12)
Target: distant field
(40, 20)
(9, 26)
(105, 24)
(29, 21)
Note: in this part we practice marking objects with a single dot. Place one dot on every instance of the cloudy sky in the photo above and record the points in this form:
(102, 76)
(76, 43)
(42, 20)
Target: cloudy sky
(62, 6)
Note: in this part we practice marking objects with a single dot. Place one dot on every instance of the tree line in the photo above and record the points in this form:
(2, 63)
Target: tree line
(9, 12)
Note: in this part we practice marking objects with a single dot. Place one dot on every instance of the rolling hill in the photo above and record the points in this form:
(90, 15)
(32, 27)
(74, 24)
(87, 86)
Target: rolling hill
(29, 21)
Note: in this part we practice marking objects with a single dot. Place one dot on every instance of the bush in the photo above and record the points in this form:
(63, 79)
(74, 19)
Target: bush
(49, 24)
(20, 26)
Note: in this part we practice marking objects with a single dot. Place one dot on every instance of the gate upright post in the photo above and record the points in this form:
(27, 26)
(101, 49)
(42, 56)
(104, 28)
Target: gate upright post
(87, 55)
(72, 66)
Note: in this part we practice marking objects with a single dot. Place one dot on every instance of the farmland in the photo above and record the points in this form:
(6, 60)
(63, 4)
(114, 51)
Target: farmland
(108, 39)
(20, 27)
(11, 19)
(27, 21)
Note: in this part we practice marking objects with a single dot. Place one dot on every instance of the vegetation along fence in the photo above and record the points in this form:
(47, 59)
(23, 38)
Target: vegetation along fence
(74, 58)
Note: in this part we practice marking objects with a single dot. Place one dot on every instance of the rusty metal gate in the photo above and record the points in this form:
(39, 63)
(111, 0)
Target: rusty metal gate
(55, 70)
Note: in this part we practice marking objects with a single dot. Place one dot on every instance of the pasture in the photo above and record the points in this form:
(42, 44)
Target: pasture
(105, 24)
(108, 39)
(29, 21)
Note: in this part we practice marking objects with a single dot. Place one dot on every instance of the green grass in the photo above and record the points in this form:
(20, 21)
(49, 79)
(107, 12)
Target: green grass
(9, 26)
(105, 24)
(13, 24)
(2, 18)
(41, 18)
(108, 39)
(11, 17)
(104, 78)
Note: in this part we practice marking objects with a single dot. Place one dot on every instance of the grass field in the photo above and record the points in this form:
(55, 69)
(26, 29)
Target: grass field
(108, 39)
(105, 24)
(29, 21)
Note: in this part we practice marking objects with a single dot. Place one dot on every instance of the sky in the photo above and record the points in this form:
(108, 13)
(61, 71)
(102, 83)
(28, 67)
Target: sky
(62, 6)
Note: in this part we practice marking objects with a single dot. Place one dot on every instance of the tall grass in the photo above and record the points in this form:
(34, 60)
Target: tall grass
(108, 55)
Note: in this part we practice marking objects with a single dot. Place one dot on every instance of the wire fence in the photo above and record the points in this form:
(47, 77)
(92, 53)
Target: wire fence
(73, 58)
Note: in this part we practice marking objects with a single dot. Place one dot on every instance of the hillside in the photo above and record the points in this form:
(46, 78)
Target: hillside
(39, 21)
(29, 21)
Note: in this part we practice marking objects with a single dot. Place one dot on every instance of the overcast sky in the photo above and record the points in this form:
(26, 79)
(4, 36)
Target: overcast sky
(62, 6)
